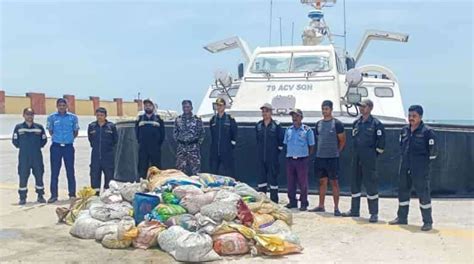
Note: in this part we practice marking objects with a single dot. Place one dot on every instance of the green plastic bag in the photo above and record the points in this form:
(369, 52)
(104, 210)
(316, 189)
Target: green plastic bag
(164, 211)
(169, 198)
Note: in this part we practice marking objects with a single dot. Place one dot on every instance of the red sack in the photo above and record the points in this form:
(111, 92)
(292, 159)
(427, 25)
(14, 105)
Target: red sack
(230, 244)
(244, 214)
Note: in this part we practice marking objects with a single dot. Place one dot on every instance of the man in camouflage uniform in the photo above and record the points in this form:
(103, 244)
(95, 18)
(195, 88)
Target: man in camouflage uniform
(189, 134)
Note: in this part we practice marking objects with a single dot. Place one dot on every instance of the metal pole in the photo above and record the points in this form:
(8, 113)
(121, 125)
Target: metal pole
(345, 33)
(270, 31)
(281, 38)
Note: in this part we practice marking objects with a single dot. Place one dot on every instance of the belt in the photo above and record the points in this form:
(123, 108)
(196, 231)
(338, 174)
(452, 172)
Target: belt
(61, 144)
(296, 158)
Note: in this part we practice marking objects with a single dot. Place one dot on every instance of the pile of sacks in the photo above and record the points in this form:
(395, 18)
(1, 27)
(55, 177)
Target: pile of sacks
(194, 219)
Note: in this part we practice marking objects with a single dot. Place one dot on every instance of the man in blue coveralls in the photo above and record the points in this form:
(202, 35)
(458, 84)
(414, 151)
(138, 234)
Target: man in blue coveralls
(63, 127)
(29, 137)
(103, 137)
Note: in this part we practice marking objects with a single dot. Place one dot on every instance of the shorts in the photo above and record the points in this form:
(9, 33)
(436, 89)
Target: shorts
(327, 167)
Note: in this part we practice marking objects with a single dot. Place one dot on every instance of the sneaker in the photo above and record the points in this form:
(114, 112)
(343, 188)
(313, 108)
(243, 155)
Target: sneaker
(72, 198)
(398, 221)
(52, 200)
(41, 199)
(22, 202)
(374, 218)
(290, 206)
(318, 210)
(350, 214)
(426, 227)
(337, 212)
(303, 208)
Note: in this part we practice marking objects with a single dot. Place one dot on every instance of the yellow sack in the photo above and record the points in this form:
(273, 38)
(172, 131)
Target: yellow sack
(130, 234)
(283, 214)
(272, 243)
(156, 177)
(262, 207)
(81, 203)
(223, 228)
(262, 220)
(289, 248)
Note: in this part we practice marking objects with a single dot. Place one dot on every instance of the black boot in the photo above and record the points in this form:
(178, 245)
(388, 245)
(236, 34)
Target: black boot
(274, 196)
(41, 199)
(427, 227)
(350, 213)
(374, 218)
(22, 194)
(398, 221)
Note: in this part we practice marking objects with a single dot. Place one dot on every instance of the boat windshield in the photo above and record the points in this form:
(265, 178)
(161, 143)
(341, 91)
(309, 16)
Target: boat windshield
(310, 62)
(291, 62)
(278, 62)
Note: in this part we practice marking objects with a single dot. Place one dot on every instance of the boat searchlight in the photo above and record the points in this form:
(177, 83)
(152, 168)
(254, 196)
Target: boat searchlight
(351, 98)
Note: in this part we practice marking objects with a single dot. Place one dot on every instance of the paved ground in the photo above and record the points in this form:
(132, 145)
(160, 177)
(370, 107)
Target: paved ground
(30, 233)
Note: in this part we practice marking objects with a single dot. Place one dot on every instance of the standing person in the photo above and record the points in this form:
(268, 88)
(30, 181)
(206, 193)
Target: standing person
(299, 141)
(368, 135)
(189, 134)
(269, 146)
(63, 127)
(150, 131)
(29, 137)
(223, 140)
(103, 138)
(331, 140)
(418, 147)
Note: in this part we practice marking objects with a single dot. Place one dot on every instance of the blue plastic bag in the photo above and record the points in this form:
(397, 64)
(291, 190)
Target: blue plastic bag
(143, 204)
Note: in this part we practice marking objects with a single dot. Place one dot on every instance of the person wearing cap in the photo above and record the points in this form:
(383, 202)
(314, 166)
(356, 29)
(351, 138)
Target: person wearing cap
(269, 146)
(223, 140)
(331, 140)
(299, 141)
(150, 132)
(63, 126)
(30, 137)
(103, 138)
(188, 133)
(418, 147)
(368, 135)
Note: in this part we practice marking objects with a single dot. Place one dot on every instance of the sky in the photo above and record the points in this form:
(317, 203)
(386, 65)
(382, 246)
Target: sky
(121, 48)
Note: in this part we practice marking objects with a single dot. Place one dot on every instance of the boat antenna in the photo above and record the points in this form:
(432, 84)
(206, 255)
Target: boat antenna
(270, 31)
(345, 31)
(281, 39)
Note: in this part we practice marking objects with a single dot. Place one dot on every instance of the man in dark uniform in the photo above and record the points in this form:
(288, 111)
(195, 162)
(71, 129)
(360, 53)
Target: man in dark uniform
(150, 131)
(30, 137)
(189, 135)
(368, 135)
(269, 146)
(103, 137)
(224, 135)
(418, 147)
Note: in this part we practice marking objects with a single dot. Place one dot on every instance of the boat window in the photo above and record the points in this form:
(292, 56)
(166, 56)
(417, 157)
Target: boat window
(383, 92)
(219, 92)
(278, 62)
(359, 90)
(310, 62)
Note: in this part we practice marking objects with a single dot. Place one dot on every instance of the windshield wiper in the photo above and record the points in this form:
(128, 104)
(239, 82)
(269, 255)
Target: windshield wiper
(308, 74)
(266, 73)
